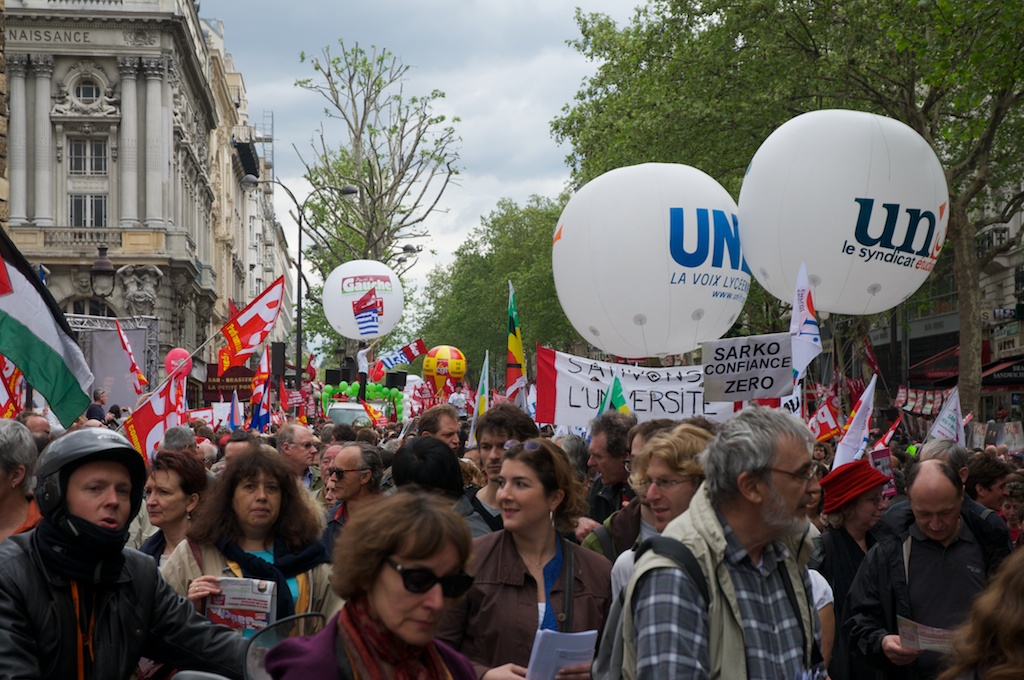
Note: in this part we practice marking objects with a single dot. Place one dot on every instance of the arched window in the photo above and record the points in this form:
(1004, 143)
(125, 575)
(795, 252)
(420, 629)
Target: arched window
(87, 91)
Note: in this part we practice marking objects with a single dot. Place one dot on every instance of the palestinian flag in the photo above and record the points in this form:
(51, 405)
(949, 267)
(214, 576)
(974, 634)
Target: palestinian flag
(36, 337)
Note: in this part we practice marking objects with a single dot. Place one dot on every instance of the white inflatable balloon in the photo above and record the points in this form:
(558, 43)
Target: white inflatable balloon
(363, 299)
(647, 260)
(862, 199)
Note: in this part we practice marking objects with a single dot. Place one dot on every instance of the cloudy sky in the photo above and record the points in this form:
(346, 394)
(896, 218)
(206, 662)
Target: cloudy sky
(505, 67)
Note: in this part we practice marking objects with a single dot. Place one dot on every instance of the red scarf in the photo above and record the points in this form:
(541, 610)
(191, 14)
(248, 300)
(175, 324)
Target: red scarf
(368, 644)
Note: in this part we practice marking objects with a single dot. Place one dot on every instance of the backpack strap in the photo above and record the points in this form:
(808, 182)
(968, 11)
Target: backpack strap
(493, 521)
(604, 537)
(569, 593)
(681, 554)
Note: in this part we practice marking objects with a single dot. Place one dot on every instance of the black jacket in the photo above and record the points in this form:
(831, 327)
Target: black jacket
(138, 616)
(879, 591)
(605, 499)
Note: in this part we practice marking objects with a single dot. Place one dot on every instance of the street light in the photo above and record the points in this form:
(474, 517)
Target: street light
(101, 274)
(408, 250)
(250, 182)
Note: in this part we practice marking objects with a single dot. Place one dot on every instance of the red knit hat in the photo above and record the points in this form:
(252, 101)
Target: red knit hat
(846, 482)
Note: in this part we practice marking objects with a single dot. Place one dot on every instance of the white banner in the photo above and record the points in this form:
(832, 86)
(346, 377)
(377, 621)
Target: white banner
(570, 390)
(742, 369)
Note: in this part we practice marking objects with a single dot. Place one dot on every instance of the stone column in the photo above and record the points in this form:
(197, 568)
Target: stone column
(42, 69)
(153, 70)
(128, 68)
(18, 139)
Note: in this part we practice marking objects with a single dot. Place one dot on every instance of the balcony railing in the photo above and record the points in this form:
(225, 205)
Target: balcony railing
(84, 238)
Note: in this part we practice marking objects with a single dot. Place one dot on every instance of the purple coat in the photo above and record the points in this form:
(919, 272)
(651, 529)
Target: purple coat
(302, 658)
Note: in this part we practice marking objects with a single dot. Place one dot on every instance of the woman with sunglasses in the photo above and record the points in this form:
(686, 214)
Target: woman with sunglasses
(853, 505)
(527, 575)
(399, 567)
(257, 522)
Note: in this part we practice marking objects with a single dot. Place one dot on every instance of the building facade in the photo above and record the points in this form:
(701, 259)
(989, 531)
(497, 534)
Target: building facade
(129, 133)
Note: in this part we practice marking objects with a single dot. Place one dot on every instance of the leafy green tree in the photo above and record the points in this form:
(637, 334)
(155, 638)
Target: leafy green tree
(466, 302)
(704, 83)
(399, 155)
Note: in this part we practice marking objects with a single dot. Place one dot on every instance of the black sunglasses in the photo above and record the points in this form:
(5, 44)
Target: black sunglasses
(419, 580)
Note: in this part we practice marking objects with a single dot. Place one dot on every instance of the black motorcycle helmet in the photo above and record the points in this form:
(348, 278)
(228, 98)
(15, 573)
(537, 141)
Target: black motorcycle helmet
(67, 453)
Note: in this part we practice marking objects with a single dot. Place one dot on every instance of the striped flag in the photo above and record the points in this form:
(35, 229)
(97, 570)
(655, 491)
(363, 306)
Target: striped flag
(367, 311)
(515, 369)
(35, 337)
(139, 381)
(405, 355)
(482, 389)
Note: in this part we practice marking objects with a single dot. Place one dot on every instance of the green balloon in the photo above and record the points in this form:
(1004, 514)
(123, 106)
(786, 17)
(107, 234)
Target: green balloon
(395, 393)
(353, 390)
(328, 391)
(343, 386)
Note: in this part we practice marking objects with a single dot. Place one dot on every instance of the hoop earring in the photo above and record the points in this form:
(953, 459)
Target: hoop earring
(551, 517)
(188, 516)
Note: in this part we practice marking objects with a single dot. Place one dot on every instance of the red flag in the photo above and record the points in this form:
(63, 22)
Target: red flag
(232, 309)
(262, 373)
(883, 443)
(825, 421)
(414, 349)
(164, 409)
(869, 354)
(245, 331)
(310, 369)
(12, 397)
(376, 417)
(139, 381)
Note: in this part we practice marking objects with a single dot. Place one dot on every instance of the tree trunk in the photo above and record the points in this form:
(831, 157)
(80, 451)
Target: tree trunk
(966, 275)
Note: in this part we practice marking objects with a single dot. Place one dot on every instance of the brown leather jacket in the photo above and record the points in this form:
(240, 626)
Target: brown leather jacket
(496, 621)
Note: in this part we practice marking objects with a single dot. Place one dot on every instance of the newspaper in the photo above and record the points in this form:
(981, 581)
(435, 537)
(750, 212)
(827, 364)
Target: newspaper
(914, 635)
(246, 604)
(553, 651)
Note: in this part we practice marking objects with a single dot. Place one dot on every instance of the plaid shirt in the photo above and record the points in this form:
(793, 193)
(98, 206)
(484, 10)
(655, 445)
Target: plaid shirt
(671, 619)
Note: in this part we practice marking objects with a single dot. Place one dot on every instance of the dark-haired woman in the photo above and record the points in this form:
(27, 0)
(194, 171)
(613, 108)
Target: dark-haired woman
(527, 575)
(404, 563)
(176, 482)
(257, 522)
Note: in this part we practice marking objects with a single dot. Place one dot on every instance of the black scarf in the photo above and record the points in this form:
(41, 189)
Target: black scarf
(81, 550)
(286, 565)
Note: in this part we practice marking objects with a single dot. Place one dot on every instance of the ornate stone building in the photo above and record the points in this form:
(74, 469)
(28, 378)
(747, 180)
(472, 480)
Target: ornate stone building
(128, 133)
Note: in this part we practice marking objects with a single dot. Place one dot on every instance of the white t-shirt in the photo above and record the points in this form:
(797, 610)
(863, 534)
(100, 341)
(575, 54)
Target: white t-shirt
(363, 364)
(458, 400)
(821, 591)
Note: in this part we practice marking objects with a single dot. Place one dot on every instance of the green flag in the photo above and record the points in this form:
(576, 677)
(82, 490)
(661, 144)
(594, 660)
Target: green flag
(614, 398)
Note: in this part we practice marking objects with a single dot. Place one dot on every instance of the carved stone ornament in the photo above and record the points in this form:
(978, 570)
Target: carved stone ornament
(139, 285)
(139, 37)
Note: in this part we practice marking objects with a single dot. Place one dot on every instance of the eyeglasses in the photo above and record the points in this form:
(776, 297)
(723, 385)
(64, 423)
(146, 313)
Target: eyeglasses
(340, 472)
(527, 446)
(664, 484)
(805, 476)
(419, 580)
(305, 445)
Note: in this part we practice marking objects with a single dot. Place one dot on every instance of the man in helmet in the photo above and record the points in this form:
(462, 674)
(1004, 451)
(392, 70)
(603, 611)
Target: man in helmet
(74, 603)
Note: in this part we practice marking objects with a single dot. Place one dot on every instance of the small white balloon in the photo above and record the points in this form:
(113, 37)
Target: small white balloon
(363, 299)
(647, 260)
(861, 198)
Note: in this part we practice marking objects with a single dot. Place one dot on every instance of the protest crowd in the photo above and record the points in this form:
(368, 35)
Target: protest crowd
(687, 549)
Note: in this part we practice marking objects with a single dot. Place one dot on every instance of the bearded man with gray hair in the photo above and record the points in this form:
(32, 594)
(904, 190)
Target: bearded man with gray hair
(753, 616)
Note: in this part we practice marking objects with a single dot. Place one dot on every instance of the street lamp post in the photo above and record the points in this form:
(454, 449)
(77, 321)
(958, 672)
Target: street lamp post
(250, 182)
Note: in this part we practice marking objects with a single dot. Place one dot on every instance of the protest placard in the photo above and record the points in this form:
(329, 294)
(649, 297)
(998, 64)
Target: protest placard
(754, 367)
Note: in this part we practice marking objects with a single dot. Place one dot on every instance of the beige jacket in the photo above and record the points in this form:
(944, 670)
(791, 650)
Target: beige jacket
(702, 533)
(181, 569)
